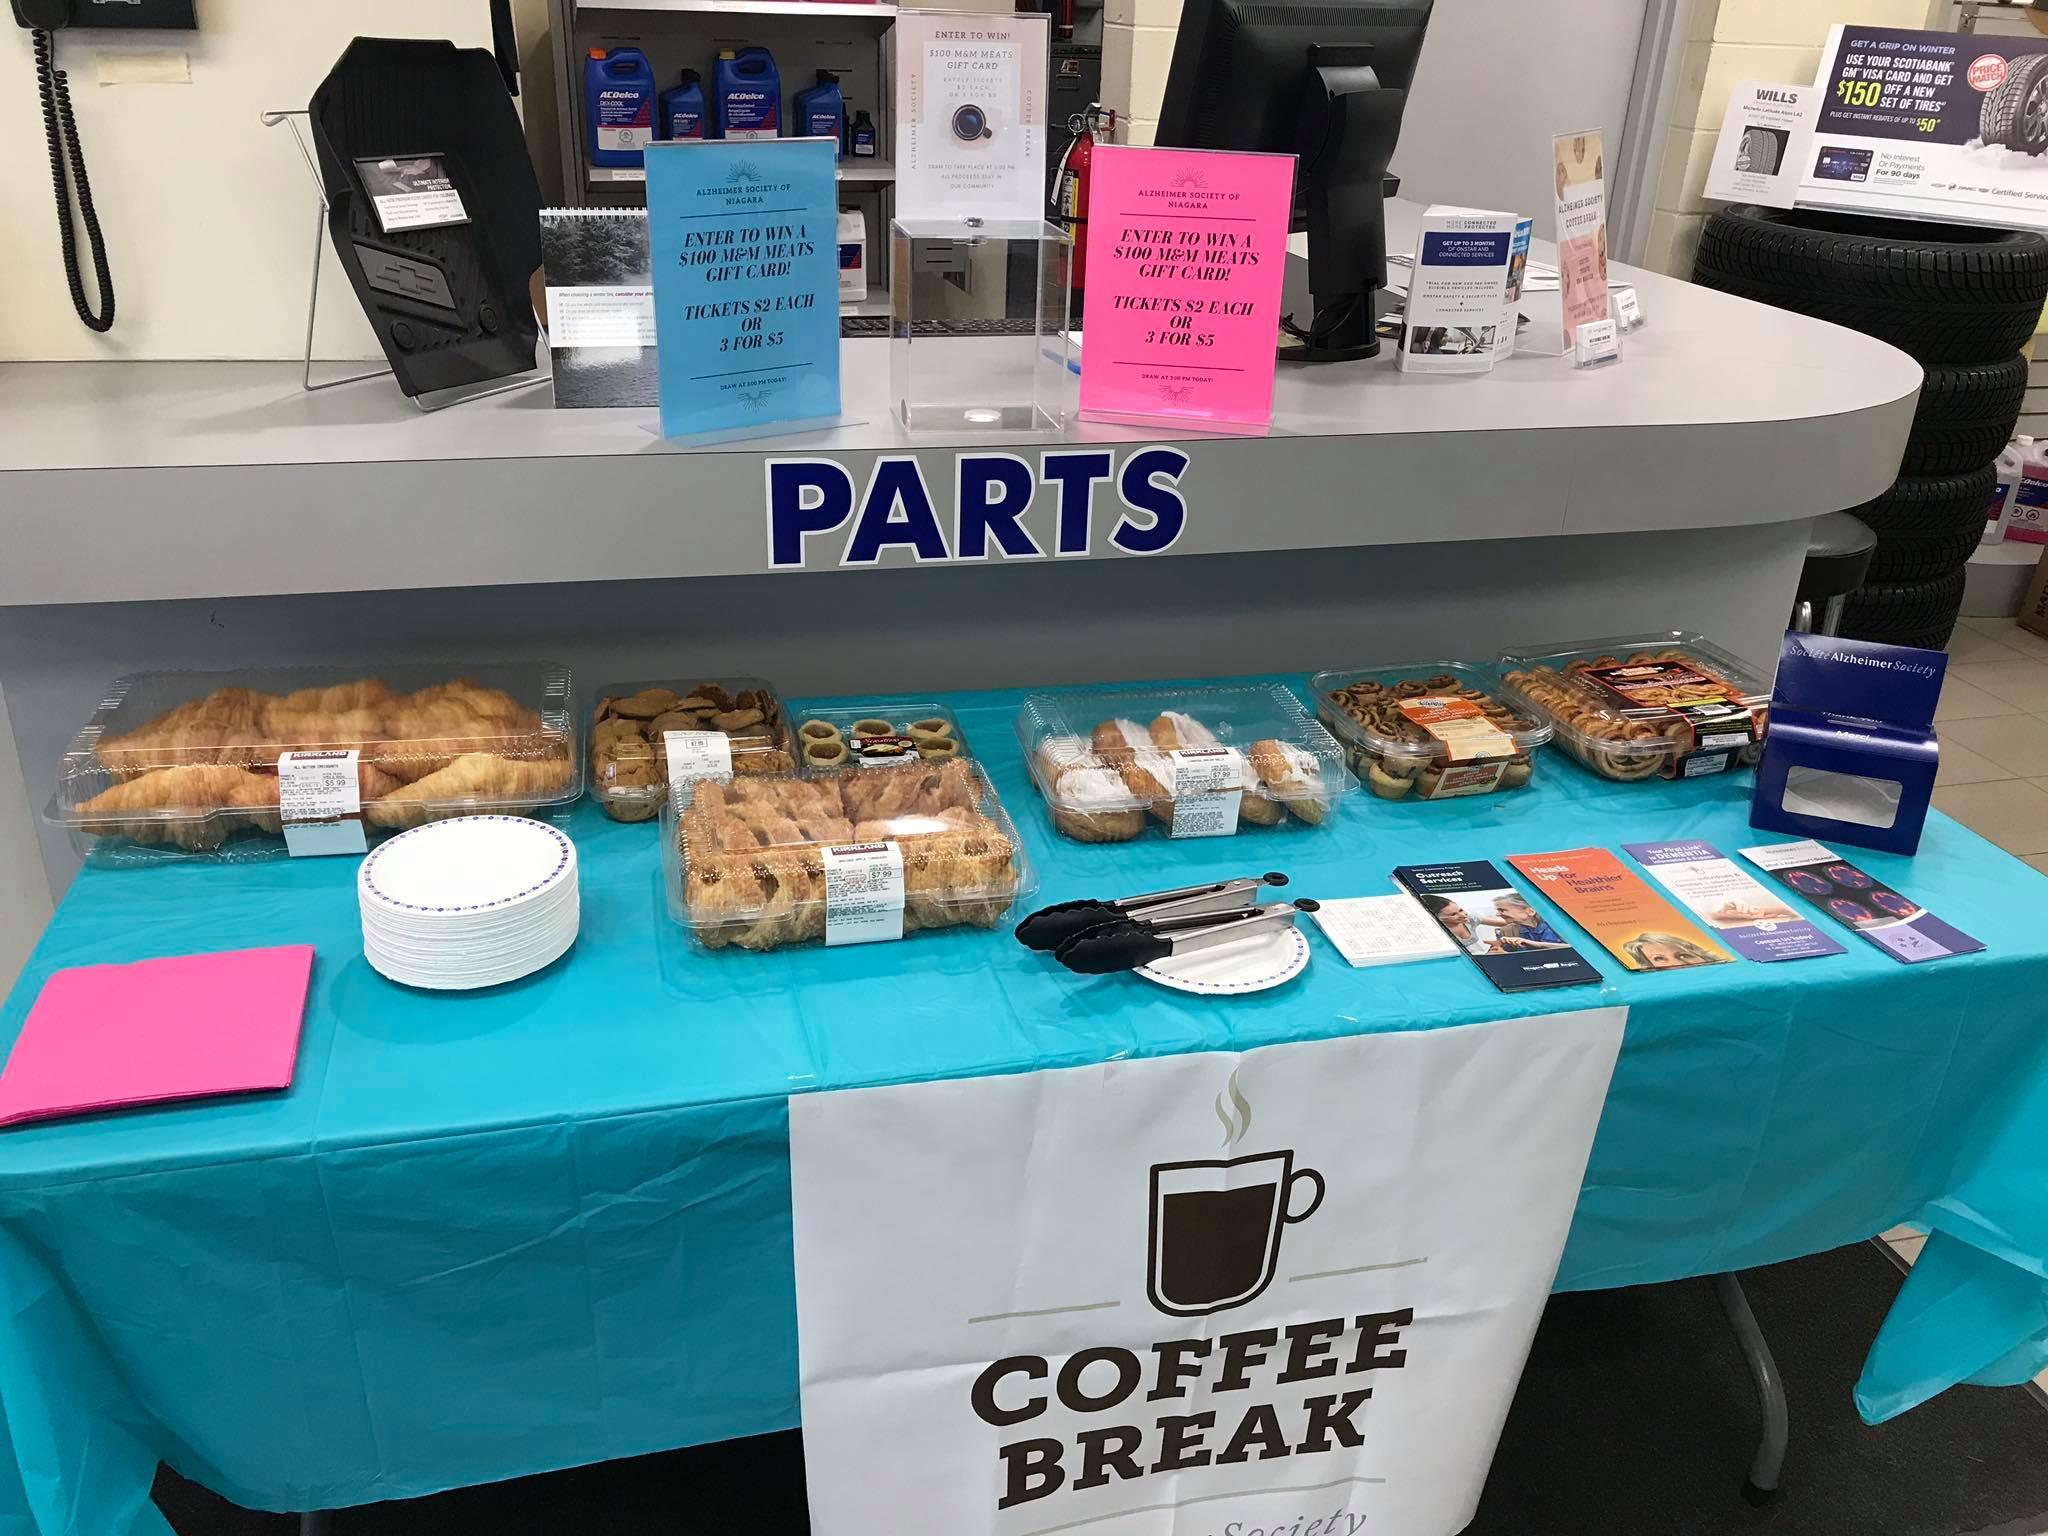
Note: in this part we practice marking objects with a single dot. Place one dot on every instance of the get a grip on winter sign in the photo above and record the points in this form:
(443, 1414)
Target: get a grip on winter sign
(819, 515)
(1942, 125)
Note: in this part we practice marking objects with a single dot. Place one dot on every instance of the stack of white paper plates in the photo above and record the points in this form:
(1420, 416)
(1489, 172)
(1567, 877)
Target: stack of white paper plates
(472, 902)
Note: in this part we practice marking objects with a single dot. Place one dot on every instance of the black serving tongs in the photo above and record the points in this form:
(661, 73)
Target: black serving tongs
(1126, 943)
(1050, 927)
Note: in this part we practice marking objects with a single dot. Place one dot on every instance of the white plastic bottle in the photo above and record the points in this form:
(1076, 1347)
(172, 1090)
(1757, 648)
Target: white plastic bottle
(2012, 464)
(2026, 515)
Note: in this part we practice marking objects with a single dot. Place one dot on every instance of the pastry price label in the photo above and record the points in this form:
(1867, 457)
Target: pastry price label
(1461, 726)
(694, 755)
(863, 893)
(1208, 788)
(320, 799)
(1475, 779)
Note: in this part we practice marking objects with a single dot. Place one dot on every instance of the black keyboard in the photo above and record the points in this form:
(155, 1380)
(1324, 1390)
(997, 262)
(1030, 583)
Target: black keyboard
(853, 327)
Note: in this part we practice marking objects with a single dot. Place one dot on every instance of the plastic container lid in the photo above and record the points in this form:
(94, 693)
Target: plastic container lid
(1634, 706)
(630, 722)
(877, 732)
(1103, 758)
(1401, 737)
(189, 759)
(746, 861)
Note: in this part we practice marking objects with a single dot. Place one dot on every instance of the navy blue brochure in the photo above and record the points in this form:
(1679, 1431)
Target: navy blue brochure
(1498, 926)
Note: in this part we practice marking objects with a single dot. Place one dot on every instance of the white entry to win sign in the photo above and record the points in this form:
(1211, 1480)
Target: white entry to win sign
(1285, 1290)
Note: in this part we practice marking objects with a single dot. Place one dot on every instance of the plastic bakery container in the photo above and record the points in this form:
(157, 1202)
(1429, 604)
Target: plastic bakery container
(1672, 706)
(847, 856)
(870, 732)
(186, 762)
(1110, 762)
(1430, 730)
(630, 722)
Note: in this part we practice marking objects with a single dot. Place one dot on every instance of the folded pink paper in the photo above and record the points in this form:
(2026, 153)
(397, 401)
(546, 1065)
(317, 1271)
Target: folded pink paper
(193, 1026)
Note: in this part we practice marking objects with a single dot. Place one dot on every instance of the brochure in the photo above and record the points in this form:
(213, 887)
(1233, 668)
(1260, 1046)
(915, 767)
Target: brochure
(1936, 125)
(1458, 291)
(970, 115)
(1742, 913)
(1581, 172)
(743, 235)
(1766, 144)
(1186, 253)
(1495, 924)
(1610, 901)
(1896, 924)
(1518, 273)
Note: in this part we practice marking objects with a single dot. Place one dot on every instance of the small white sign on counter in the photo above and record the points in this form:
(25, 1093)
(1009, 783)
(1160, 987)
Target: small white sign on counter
(1382, 930)
(600, 317)
(1208, 788)
(863, 893)
(1766, 144)
(320, 797)
(694, 755)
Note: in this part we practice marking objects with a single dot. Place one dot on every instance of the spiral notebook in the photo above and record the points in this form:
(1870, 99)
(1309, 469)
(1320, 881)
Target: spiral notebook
(600, 306)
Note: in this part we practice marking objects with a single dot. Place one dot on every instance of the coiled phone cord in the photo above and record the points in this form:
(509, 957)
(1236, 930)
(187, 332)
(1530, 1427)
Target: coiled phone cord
(62, 132)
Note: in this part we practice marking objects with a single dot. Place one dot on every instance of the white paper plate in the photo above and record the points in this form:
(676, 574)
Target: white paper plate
(465, 869)
(1249, 965)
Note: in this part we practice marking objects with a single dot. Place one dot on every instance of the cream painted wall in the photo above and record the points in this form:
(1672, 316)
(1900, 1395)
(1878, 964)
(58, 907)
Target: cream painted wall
(209, 217)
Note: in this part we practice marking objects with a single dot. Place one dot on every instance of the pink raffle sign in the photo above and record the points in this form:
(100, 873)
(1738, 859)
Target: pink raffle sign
(1186, 250)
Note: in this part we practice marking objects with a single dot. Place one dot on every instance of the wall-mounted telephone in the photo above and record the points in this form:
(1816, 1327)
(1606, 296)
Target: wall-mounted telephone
(67, 156)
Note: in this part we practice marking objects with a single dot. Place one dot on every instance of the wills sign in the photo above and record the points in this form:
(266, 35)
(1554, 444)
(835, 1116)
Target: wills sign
(1288, 1290)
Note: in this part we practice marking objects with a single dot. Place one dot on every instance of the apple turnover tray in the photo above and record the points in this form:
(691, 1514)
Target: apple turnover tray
(1671, 706)
(188, 762)
(841, 856)
(1194, 762)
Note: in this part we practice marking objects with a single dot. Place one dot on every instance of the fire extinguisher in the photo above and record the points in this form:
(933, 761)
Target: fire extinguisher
(1070, 184)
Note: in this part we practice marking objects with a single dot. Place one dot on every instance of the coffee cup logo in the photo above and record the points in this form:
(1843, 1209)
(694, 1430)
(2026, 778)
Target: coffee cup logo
(1216, 1223)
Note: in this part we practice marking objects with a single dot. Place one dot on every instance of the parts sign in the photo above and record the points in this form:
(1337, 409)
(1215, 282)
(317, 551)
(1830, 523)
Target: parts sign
(1002, 507)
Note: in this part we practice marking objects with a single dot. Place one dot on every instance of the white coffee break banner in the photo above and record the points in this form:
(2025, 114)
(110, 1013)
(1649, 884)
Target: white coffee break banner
(1284, 1290)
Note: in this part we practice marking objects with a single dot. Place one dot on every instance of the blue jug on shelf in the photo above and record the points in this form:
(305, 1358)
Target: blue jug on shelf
(746, 94)
(618, 106)
(682, 108)
(821, 112)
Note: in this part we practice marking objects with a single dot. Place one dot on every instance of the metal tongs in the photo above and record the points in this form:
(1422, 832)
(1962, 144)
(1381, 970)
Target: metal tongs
(1050, 927)
(1126, 944)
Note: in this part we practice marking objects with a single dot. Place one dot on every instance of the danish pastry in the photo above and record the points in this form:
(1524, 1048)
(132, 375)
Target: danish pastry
(1395, 755)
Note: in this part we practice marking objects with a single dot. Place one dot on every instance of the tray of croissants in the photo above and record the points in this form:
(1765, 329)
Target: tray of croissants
(745, 861)
(187, 761)
(1109, 762)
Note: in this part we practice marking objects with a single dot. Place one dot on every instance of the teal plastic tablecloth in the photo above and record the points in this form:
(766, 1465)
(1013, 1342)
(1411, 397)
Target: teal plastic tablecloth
(547, 1225)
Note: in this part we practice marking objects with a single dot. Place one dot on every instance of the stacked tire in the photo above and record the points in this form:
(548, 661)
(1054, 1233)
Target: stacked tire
(1961, 301)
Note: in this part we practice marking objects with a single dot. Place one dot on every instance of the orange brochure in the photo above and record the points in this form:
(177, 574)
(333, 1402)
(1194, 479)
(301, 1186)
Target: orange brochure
(1614, 904)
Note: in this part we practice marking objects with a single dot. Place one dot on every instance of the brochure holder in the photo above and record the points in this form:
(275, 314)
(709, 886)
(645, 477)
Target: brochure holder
(1851, 755)
(979, 334)
(292, 118)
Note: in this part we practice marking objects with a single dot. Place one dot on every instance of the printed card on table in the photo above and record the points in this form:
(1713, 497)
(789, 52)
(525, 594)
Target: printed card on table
(1186, 252)
(743, 236)
(1742, 913)
(1580, 163)
(1896, 924)
(1614, 904)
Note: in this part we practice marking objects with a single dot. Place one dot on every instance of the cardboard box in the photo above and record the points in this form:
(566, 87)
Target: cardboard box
(2034, 606)
(1851, 755)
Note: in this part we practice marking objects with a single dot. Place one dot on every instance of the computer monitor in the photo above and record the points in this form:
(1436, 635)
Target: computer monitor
(1326, 81)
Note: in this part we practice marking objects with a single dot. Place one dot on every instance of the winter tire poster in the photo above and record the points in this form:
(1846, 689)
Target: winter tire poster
(1282, 1292)
(1939, 125)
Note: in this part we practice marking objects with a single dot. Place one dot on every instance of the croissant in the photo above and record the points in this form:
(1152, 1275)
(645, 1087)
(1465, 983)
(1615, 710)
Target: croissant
(179, 806)
(475, 776)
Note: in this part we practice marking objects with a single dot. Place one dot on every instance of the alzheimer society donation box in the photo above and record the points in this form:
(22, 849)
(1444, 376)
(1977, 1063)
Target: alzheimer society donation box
(1283, 1290)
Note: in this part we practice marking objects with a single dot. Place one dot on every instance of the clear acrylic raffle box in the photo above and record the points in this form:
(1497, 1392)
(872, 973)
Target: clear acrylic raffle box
(980, 324)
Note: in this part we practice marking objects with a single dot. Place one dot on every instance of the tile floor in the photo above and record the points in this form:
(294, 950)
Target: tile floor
(1994, 736)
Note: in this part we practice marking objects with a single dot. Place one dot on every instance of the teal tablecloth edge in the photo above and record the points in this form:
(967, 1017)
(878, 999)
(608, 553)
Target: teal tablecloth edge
(391, 1081)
